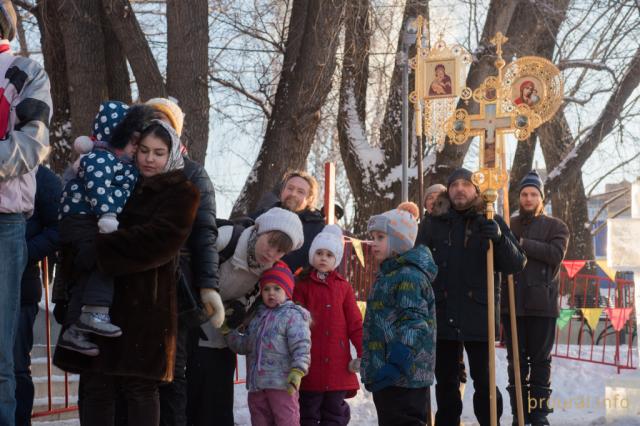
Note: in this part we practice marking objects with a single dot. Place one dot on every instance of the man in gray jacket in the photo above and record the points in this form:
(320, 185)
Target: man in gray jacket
(25, 111)
(544, 240)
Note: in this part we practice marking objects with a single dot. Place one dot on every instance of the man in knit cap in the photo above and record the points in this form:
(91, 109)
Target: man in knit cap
(458, 235)
(544, 240)
(25, 111)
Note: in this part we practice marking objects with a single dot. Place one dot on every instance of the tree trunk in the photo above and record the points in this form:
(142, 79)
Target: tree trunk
(118, 81)
(187, 70)
(352, 109)
(544, 21)
(54, 56)
(86, 70)
(522, 164)
(305, 81)
(130, 36)
(568, 201)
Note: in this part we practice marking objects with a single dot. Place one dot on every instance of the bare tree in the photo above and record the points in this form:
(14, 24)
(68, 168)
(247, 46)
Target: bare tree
(188, 70)
(305, 80)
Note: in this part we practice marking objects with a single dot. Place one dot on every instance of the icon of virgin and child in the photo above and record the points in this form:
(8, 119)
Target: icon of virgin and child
(441, 84)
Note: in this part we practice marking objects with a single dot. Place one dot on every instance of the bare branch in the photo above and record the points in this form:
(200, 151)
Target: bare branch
(589, 64)
(573, 161)
(244, 92)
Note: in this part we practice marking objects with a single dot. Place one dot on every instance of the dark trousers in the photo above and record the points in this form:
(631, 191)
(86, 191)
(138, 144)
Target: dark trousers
(401, 406)
(173, 396)
(22, 363)
(90, 286)
(98, 400)
(448, 382)
(210, 387)
(535, 342)
(324, 408)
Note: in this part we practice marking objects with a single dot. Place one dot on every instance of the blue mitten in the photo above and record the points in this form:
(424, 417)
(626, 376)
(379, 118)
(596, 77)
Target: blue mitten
(398, 363)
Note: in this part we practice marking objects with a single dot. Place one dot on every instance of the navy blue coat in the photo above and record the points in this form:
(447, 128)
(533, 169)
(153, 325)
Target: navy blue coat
(461, 255)
(42, 232)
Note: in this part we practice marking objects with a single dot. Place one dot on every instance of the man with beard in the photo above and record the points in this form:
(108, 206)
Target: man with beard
(298, 193)
(544, 240)
(458, 234)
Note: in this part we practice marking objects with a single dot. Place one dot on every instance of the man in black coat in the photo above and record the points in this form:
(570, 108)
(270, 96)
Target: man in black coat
(458, 235)
(544, 240)
(298, 193)
(42, 241)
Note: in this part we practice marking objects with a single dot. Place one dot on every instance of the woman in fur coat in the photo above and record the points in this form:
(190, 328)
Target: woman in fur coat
(143, 256)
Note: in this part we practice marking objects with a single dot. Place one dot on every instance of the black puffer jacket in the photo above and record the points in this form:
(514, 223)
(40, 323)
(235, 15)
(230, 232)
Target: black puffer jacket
(461, 255)
(200, 251)
(42, 233)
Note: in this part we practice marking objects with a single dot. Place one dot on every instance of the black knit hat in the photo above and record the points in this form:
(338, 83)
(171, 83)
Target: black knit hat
(532, 179)
(460, 173)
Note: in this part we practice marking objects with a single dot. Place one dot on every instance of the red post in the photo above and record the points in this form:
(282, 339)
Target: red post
(329, 192)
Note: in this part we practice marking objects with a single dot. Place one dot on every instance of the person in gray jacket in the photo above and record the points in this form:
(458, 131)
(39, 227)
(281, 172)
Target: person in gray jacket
(544, 240)
(25, 111)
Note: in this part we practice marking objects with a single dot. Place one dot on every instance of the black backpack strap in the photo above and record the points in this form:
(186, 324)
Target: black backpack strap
(239, 225)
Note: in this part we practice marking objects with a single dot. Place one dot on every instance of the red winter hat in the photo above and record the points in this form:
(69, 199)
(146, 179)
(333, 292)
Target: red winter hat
(281, 275)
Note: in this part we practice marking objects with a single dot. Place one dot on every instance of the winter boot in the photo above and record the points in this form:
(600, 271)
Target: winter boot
(513, 401)
(541, 409)
(76, 340)
(97, 321)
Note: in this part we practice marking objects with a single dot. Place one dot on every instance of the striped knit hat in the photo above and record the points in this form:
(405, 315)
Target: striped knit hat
(281, 275)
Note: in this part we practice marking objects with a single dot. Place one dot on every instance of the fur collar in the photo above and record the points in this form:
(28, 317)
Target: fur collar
(160, 181)
(442, 205)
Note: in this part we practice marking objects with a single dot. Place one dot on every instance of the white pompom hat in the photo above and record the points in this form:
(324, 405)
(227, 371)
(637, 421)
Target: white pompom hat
(329, 239)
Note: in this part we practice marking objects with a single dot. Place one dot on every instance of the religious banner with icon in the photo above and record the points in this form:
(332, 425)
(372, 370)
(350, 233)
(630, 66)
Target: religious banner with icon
(535, 83)
(439, 79)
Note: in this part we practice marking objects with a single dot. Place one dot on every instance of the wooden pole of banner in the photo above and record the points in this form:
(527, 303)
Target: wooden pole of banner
(329, 193)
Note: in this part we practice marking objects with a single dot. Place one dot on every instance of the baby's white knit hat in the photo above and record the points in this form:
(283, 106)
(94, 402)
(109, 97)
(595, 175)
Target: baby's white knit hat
(329, 239)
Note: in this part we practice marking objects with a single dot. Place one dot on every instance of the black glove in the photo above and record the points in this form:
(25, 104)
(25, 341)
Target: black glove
(234, 314)
(490, 229)
(60, 312)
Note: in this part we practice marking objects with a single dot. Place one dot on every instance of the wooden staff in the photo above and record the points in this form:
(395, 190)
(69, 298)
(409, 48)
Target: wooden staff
(512, 303)
(489, 196)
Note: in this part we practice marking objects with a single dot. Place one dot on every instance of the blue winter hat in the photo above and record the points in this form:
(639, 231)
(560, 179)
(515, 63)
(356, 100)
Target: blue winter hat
(532, 179)
(109, 116)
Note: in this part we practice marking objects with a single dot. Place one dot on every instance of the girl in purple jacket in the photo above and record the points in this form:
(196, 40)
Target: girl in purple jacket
(277, 343)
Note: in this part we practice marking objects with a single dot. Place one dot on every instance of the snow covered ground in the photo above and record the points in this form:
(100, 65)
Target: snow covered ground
(578, 398)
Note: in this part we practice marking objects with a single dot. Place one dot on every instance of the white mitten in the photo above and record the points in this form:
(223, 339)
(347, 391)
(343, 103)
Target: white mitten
(108, 223)
(354, 365)
(213, 304)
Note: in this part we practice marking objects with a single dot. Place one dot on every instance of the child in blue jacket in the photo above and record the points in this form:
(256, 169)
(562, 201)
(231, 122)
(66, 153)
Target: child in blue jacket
(399, 335)
(90, 204)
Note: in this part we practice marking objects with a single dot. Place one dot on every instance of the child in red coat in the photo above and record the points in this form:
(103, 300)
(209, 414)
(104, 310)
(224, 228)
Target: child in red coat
(335, 321)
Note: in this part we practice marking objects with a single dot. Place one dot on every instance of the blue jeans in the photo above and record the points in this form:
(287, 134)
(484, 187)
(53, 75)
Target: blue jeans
(22, 364)
(13, 260)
